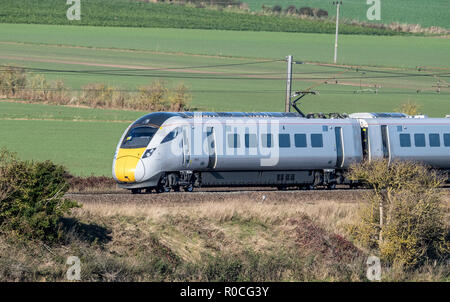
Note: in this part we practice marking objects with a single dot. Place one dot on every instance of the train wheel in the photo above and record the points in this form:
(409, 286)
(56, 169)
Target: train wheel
(331, 186)
(136, 191)
(189, 188)
(311, 187)
(162, 189)
(176, 189)
(148, 190)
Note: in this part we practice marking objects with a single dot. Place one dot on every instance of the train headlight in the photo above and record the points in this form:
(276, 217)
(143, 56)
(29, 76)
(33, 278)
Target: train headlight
(148, 153)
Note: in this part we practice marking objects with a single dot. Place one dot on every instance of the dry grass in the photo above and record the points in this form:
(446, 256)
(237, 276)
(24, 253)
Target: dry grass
(331, 214)
(232, 226)
(288, 236)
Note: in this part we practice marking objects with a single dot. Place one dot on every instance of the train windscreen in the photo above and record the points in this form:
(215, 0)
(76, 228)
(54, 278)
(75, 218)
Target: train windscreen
(138, 137)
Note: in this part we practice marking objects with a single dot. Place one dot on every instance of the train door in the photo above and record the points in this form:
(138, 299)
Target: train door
(365, 142)
(339, 147)
(211, 141)
(385, 141)
(186, 147)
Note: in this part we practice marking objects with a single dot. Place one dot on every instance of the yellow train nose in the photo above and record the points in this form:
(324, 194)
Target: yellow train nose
(128, 166)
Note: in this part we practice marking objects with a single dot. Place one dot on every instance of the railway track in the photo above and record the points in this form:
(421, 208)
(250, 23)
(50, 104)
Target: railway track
(201, 196)
(343, 195)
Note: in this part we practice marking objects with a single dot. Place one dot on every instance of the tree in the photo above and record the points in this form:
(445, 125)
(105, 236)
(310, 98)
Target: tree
(276, 9)
(409, 108)
(404, 215)
(291, 10)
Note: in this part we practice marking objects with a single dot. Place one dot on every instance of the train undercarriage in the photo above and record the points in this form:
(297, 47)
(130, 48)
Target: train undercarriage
(304, 179)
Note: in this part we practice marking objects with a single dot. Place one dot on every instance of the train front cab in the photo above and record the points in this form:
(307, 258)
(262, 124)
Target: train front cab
(128, 165)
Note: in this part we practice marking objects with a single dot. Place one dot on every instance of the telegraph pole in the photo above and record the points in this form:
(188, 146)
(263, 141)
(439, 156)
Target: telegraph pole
(338, 4)
(287, 107)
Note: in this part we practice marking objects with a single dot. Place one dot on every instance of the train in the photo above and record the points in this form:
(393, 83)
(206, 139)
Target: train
(164, 151)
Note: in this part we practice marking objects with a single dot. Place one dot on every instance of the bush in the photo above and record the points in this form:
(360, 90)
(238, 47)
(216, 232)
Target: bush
(97, 95)
(321, 13)
(291, 10)
(404, 218)
(415, 230)
(12, 79)
(152, 97)
(179, 98)
(276, 9)
(409, 108)
(32, 201)
(306, 11)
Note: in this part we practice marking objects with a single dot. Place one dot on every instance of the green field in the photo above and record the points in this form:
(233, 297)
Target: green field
(425, 13)
(139, 14)
(353, 49)
(18, 111)
(225, 71)
(85, 148)
(82, 139)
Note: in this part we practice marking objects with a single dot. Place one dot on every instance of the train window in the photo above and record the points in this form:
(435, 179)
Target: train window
(284, 140)
(434, 140)
(300, 140)
(266, 140)
(385, 140)
(405, 140)
(170, 136)
(233, 140)
(316, 140)
(447, 139)
(399, 128)
(138, 137)
(419, 140)
(324, 128)
(250, 141)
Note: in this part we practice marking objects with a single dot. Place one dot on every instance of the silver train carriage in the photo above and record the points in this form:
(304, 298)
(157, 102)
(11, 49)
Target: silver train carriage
(165, 151)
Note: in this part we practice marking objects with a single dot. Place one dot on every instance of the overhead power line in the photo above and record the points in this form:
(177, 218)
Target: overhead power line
(380, 92)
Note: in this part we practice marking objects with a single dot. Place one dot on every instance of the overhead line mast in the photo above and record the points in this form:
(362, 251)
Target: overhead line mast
(287, 107)
(338, 4)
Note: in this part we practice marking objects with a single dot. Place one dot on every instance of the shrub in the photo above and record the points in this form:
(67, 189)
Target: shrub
(276, 9)
(60, 93)
(410, 108)
(321, 13)
(404, 217)
(38, 89)
(415, 230)
(306, 11)
(33, 198)
(97, 95)
(291, 10)
(12, 79)
(152, 97)
(179, 98)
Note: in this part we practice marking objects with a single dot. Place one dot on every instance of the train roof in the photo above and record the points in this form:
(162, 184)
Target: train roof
(378, 115)
(240, 114)
(158, 118)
